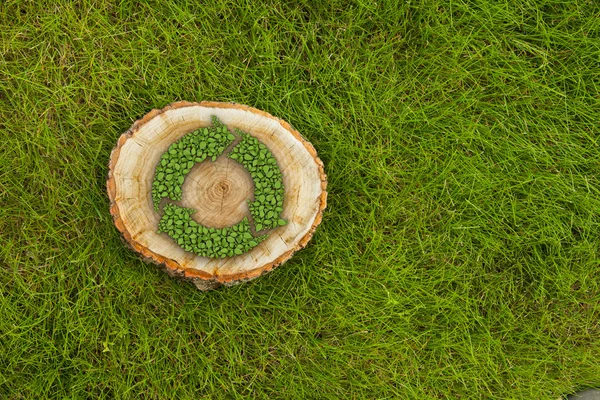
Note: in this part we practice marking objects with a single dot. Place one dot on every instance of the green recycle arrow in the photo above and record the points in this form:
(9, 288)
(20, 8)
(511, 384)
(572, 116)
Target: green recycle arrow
(208, 144)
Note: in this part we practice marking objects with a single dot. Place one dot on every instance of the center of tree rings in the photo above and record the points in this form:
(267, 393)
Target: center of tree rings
(206, 145)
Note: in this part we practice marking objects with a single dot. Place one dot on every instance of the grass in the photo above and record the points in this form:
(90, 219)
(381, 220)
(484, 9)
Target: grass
(459, 254)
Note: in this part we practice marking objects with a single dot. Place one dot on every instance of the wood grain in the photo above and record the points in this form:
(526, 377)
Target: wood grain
(209, 187)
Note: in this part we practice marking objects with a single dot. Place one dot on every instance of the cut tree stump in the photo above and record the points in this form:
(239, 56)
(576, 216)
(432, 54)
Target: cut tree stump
(219, 191)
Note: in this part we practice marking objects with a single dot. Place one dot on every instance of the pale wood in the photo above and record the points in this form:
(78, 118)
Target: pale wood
(218, 191)
(210, 187)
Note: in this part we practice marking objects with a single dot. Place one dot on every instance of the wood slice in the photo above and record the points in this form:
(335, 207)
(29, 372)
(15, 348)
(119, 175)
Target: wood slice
(218, 190)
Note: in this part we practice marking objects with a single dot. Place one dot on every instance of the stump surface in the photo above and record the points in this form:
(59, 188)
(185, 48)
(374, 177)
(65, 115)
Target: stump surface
(217, 190)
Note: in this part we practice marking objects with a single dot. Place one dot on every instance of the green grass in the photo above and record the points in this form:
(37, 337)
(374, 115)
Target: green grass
(458, 257)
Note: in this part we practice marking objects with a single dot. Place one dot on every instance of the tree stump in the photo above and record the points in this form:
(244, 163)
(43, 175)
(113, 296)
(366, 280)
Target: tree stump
(220, 193)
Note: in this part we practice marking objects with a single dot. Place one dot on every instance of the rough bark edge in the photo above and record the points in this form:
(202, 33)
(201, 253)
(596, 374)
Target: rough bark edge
(204, 280)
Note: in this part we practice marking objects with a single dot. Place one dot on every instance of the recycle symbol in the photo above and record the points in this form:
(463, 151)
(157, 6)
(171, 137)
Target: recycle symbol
(208, 144)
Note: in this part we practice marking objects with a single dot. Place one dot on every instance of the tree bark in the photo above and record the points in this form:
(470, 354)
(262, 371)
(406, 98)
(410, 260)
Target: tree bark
(217, 190)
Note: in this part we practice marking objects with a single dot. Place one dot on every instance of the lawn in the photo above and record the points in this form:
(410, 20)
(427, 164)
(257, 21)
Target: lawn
(458, 256)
